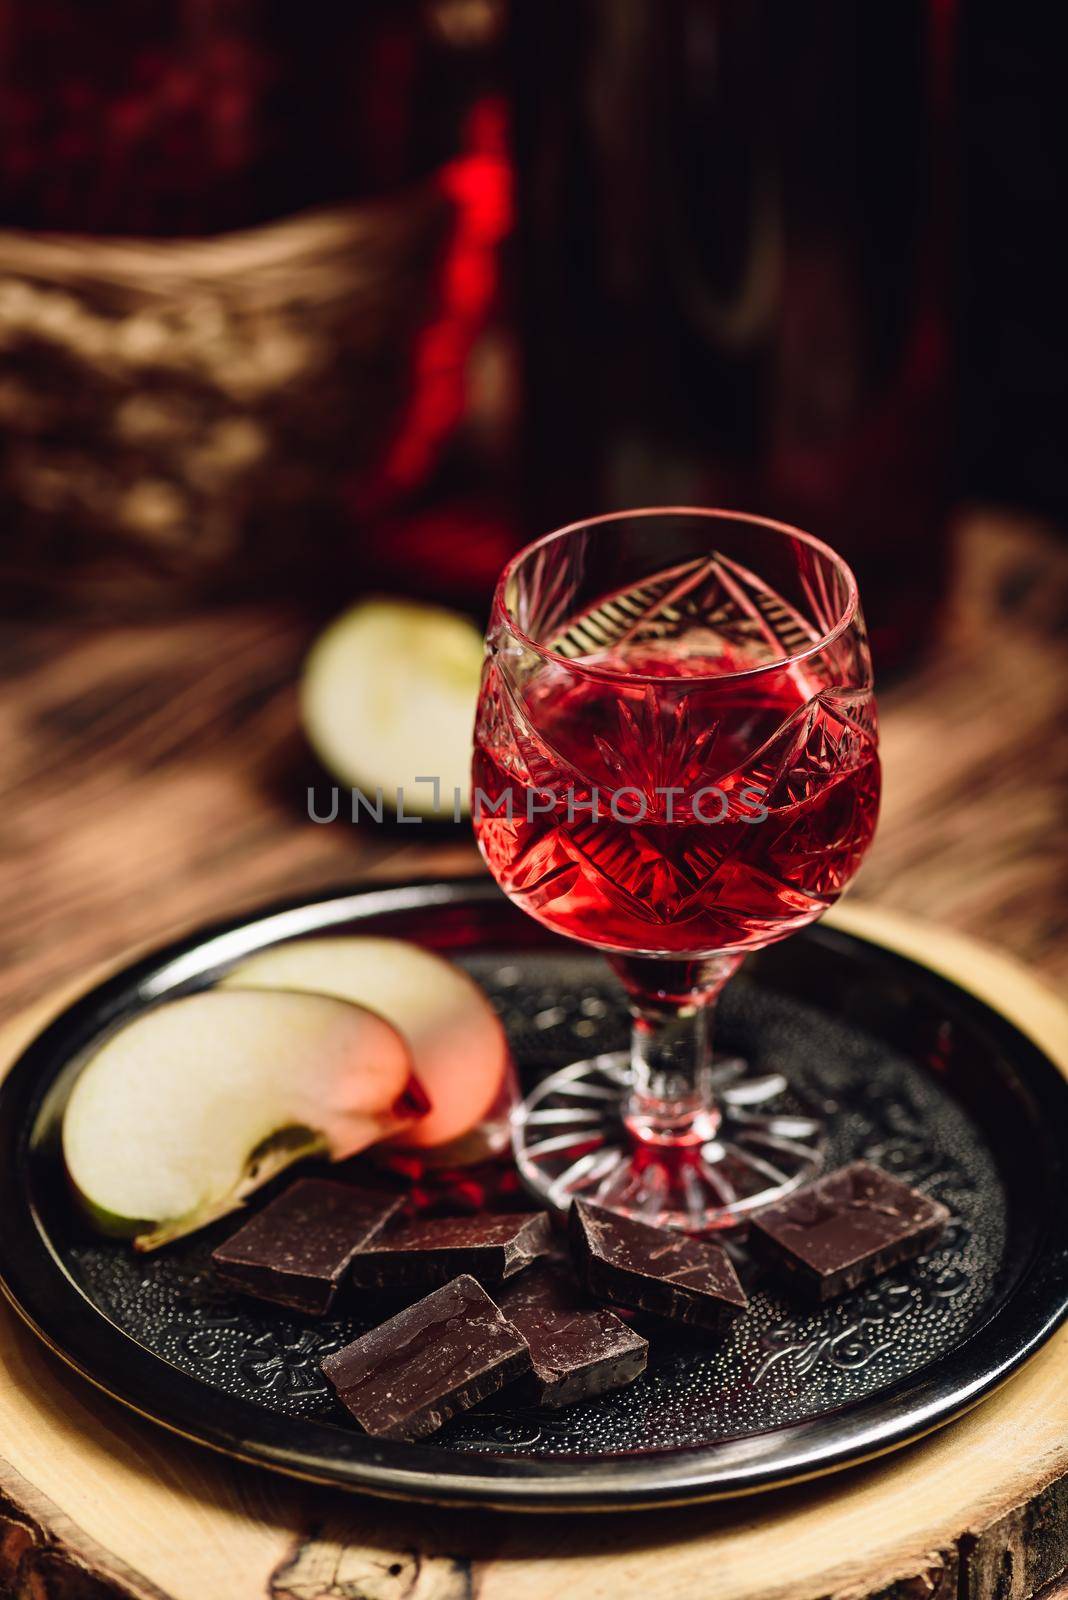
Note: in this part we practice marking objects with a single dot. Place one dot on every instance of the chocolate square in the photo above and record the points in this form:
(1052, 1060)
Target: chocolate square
(577, 1350)
(406, 1378)
(432, 1250)
(295, 1251)
(671, 1274)
(846, 1228)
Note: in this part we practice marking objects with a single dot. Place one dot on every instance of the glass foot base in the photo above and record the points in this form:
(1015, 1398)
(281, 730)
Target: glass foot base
(569, 1139)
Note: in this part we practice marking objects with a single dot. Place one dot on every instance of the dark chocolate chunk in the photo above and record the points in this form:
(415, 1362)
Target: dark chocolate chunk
(431, 1250)
(446, 1352)
(295, 1251)
(654, 1269)
(577, 1350)
(846, 1228)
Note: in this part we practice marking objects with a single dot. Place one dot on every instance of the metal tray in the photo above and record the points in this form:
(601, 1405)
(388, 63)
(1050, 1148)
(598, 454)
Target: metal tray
(925, 1079)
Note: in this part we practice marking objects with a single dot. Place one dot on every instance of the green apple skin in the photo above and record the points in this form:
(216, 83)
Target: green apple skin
(106, 1222)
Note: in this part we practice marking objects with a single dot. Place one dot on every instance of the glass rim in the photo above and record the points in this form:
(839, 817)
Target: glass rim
(612, 674)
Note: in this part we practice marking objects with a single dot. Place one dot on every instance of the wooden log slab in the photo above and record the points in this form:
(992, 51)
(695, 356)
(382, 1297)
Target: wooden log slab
(97, 1504)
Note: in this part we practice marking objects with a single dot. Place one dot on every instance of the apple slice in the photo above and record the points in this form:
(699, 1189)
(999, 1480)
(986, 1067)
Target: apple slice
(459, 1052)
(184, 1112)
(388, 700)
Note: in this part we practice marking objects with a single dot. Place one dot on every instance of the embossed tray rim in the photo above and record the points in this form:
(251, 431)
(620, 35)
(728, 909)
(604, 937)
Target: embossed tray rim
(41, 1290)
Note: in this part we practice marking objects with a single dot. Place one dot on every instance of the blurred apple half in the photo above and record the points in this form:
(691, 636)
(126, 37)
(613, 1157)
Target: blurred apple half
(388, 700)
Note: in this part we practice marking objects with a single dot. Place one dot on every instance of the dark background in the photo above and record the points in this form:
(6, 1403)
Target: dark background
(1013, 260)
(579, 186)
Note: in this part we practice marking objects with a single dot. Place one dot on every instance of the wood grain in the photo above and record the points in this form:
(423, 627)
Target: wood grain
(975, 756)
(154, 775)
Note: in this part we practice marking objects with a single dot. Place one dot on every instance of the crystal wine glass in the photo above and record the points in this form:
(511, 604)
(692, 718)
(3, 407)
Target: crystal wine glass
(675, 762)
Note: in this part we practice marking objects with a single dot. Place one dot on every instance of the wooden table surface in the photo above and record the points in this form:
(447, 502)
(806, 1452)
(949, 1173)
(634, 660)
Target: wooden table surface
(154, 775)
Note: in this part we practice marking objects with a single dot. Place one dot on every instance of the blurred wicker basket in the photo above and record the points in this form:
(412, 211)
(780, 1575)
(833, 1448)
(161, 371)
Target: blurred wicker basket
(192, 417)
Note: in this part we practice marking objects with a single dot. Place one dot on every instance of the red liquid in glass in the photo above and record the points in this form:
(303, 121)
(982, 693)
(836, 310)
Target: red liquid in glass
(790, 766)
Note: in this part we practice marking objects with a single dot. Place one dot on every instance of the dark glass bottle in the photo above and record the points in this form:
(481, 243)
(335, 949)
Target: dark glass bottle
(735, 224)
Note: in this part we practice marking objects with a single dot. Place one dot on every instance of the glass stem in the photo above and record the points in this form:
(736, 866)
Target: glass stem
(673, 1006)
